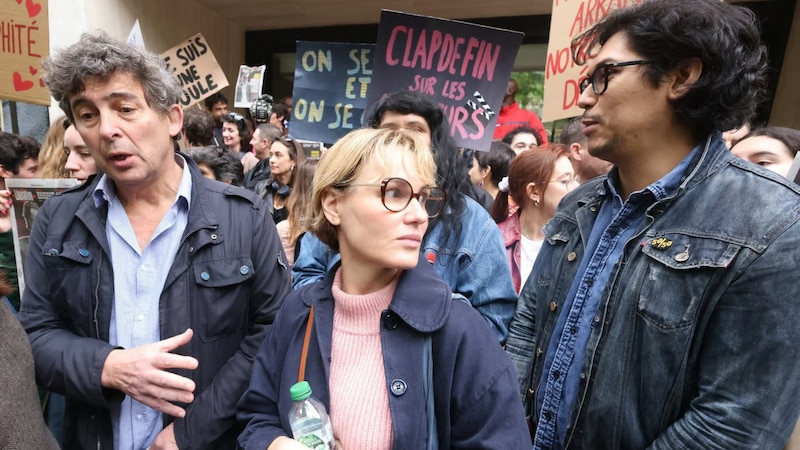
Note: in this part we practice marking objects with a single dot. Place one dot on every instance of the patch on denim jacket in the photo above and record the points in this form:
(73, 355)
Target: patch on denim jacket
(661, 243)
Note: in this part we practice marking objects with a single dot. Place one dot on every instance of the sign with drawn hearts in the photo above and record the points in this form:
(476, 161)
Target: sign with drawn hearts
(24, 41)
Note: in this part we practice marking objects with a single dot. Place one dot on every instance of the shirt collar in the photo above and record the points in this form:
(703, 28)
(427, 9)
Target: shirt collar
(104, 192)
(662, 188)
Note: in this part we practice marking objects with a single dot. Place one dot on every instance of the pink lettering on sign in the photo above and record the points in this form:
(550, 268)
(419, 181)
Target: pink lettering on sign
(442, 52)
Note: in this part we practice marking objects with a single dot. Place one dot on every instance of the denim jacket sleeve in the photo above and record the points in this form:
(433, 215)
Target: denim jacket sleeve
(313, 262)
(749, 360)
(475, 265)
(521, 342)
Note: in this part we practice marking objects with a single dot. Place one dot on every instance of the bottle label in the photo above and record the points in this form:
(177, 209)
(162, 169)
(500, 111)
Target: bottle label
(313, 441)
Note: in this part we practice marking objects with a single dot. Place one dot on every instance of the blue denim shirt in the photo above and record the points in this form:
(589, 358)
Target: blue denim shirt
(694, 337)
(617, 222)
(473, 263)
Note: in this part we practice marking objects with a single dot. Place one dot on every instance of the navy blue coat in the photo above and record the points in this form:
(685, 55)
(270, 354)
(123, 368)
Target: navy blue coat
(227, 283)
(476, 399)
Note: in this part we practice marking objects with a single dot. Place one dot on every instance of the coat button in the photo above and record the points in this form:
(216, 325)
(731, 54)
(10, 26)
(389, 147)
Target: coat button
(571, 257)
(205, 276)
(191, 249)
(390, 321)
(84, 252)
(553, 306)
(539, 352)
(213, 237)
(52, 252)
(244, 270)
(399, 387)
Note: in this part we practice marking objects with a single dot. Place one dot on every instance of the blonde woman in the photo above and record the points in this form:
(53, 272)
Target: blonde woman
(376, 313)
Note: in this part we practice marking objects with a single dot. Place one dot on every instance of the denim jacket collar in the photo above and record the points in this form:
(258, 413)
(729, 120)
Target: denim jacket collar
(711, 156)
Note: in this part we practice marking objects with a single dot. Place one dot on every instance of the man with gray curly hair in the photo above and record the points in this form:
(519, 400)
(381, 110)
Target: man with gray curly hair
(150, 288)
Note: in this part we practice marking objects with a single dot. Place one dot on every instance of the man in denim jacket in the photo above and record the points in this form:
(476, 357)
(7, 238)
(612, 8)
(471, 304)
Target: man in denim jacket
(662, 311)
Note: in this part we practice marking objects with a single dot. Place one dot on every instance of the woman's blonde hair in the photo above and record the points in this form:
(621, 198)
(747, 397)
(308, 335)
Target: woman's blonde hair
(52, 157)
(344, 162)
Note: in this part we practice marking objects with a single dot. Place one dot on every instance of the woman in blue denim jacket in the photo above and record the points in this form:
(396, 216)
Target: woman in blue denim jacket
(464, 244)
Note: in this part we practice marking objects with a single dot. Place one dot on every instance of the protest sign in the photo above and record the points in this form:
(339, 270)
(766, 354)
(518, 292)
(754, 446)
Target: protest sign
(24, 41)
(195, 68)
(330, 89)
(464, 67)
(135, 37)
(311, 149)
(249, 83)
(570, 18)
(28, 195)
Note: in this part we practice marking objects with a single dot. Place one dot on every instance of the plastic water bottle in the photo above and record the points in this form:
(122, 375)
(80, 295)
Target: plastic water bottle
(310, 423)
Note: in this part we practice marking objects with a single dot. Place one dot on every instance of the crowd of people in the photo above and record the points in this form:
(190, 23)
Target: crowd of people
(621, 285)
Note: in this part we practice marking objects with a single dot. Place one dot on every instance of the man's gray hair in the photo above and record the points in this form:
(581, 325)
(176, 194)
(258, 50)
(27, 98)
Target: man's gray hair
(98, 56)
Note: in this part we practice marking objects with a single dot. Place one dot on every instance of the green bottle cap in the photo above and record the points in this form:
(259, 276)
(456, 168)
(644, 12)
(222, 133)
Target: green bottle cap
(300, 391)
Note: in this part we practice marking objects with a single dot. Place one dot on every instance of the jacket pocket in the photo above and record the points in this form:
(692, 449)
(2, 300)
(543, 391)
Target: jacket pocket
(220, 306)
(680, 274)
(69, 279)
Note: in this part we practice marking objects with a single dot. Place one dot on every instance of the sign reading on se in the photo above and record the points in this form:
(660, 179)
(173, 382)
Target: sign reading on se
(330, 89)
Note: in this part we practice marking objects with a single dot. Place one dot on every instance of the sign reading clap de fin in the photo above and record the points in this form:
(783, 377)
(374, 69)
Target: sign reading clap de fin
(24, 41)
(196, 69)
(570, 18)
(464, 67)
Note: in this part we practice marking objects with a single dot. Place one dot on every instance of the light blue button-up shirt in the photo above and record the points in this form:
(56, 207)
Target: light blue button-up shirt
(139, 277)
(617, 222)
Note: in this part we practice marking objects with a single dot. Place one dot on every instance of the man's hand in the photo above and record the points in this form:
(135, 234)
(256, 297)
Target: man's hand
(166, 439)
(140, 372)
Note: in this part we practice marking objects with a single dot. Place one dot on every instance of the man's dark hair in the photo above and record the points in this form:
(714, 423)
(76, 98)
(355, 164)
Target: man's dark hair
(14, 149)
(788, 136)
(281, 110)
(269, 132)
(509, 137)
(225, 165)
(213, 99)
(498, 158)
(198, 127)
(572, 132)
(667, 33)
(451, 166)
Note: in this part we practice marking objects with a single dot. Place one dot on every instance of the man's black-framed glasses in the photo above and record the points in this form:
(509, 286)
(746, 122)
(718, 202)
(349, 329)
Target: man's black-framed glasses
(599, 78)
(397, 193)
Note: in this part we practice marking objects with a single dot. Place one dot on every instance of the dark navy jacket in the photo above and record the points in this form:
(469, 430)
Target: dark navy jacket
(226, 283)
(476, 400)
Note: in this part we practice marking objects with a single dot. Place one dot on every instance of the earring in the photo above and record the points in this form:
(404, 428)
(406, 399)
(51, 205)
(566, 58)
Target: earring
(536, 203)
(292, 168)
(480, 184)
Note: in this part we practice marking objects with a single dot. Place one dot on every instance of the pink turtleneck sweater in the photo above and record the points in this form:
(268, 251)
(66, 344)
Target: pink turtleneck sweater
(359, 396)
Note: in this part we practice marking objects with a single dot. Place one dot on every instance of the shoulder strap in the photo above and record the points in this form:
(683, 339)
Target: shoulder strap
(302, 374)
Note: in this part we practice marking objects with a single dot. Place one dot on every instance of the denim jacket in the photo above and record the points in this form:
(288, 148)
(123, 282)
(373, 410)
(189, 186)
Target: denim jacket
(472, 263)
(695, 341)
